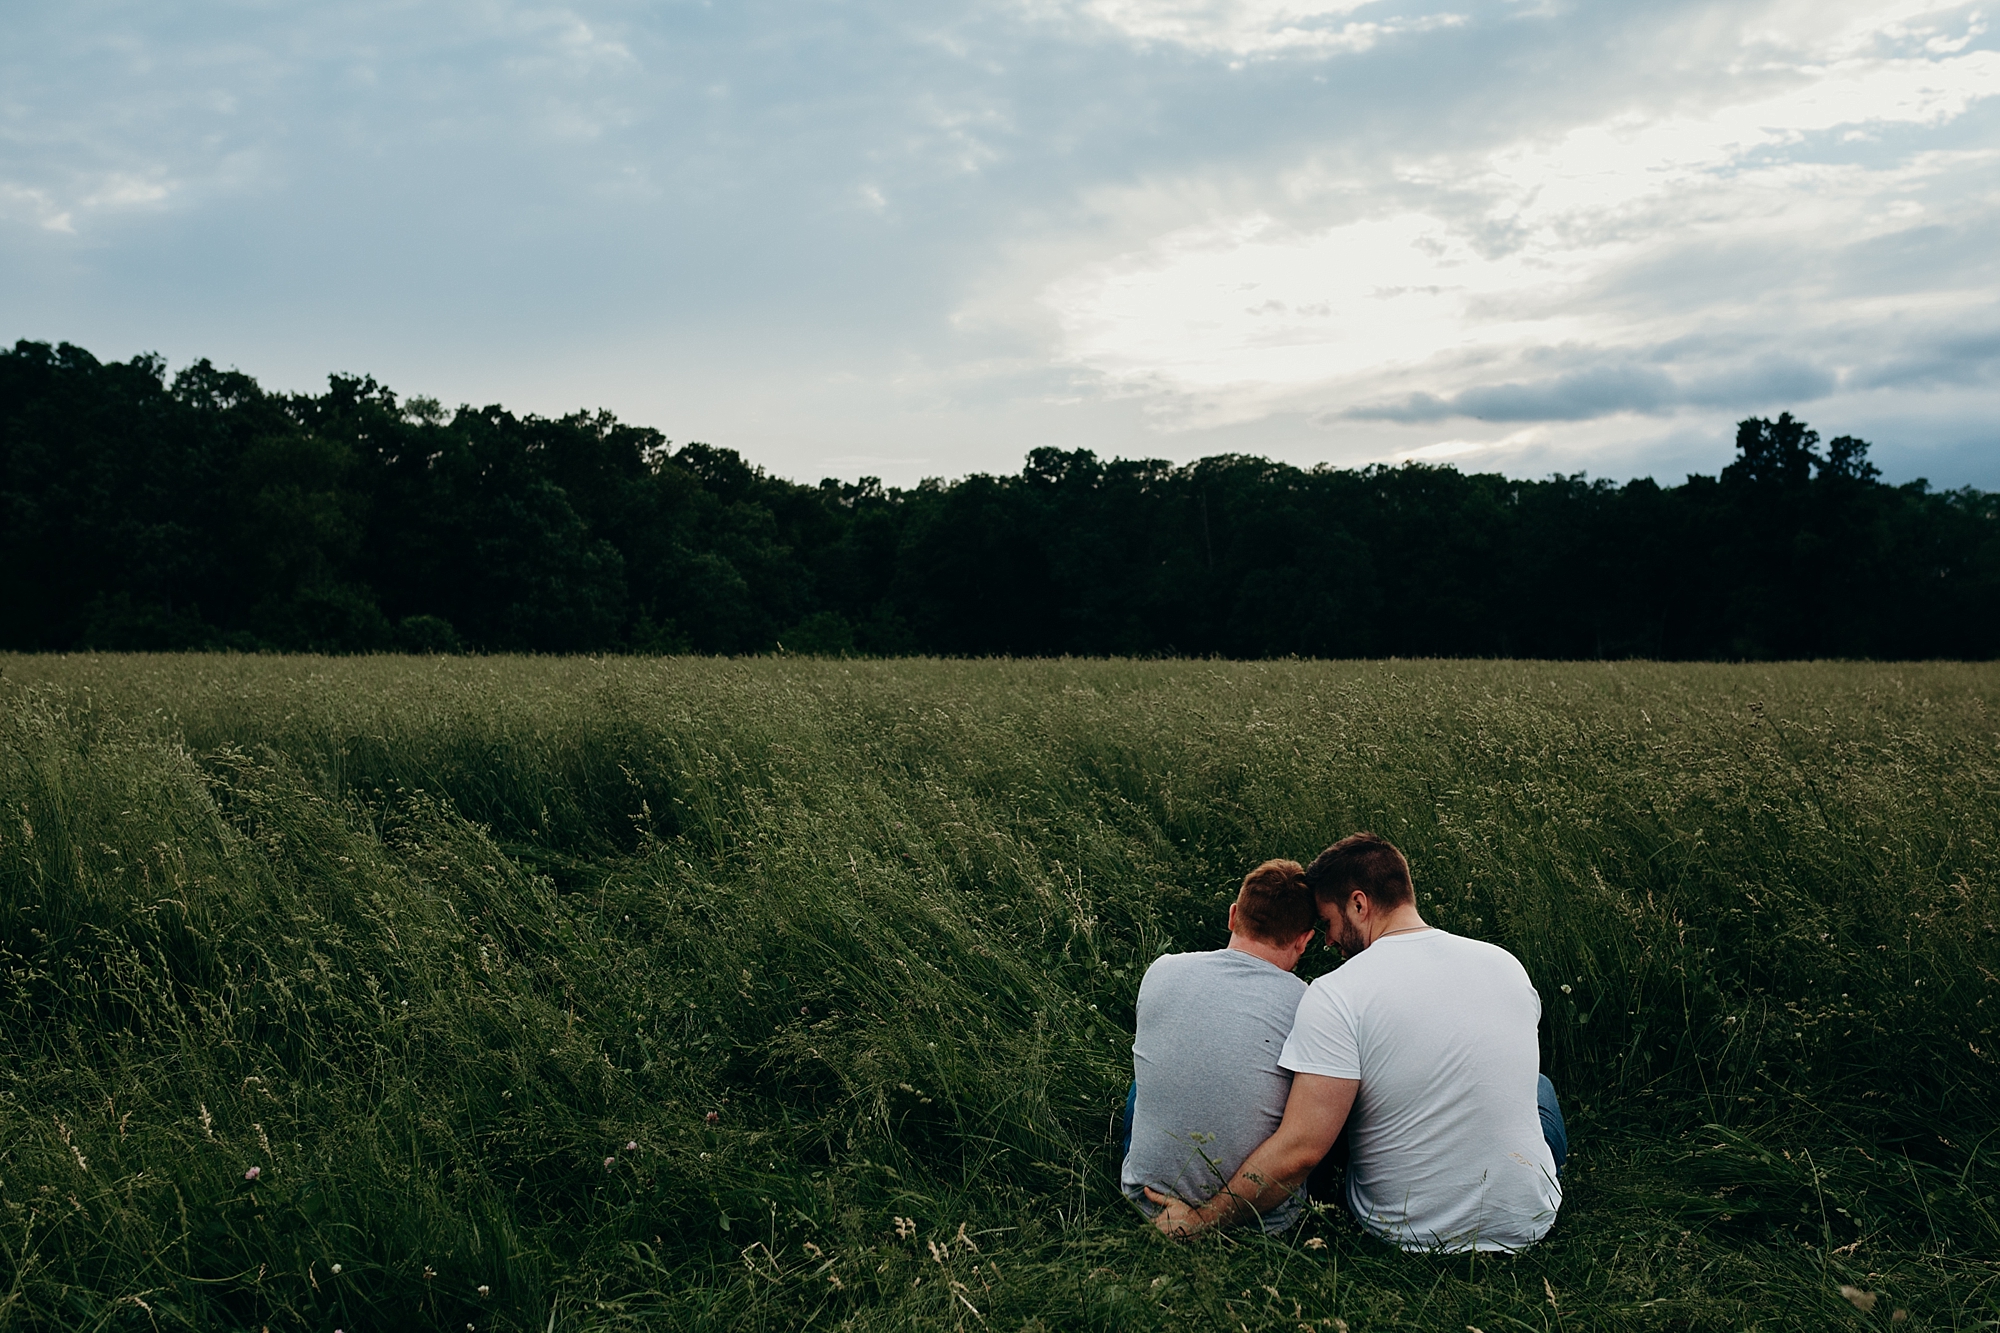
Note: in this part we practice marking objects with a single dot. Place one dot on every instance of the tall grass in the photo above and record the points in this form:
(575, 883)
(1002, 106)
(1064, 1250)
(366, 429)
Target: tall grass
(792, 994)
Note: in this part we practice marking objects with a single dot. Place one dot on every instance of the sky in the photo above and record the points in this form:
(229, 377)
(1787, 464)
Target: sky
(869, 237)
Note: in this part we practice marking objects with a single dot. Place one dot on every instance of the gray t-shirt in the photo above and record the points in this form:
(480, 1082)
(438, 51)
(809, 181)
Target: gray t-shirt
(1211, 1027)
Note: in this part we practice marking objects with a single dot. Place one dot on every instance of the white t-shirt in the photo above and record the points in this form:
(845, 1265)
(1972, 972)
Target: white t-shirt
(1445, 1144)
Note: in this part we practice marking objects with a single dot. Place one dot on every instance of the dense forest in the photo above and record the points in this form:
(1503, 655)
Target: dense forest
(139, 511)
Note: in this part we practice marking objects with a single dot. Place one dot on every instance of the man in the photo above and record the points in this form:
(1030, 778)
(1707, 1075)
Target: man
(1423, 1046)
(1207, 1085)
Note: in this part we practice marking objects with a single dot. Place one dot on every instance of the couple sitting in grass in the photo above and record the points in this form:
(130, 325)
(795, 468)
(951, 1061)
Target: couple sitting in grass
(1414, 1065)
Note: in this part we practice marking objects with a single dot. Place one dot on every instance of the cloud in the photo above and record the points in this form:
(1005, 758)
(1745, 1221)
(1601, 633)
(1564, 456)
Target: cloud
(1622, 233)
(1478, 454)
(1609, 389)
(1578, 396)
(1249, 28)
(1968, 357)
(885, 235)
(89, 197)
(31, 204)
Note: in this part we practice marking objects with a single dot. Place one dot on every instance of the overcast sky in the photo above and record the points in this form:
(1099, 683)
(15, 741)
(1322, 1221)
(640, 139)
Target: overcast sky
(909, 239)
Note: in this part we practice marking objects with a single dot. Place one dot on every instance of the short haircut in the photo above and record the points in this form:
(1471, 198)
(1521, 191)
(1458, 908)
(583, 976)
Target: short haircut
(1365, 862)
(1275, 905)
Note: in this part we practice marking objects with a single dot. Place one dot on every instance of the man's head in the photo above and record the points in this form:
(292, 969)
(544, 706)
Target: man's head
(1359, 880)
(1274, 909)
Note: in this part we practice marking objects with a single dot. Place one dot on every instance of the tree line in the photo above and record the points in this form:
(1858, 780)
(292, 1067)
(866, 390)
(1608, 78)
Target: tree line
(140, 511)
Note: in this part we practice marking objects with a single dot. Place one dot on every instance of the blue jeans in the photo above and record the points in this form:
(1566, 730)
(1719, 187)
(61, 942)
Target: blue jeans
(1131, 1105)
(1552, 1121)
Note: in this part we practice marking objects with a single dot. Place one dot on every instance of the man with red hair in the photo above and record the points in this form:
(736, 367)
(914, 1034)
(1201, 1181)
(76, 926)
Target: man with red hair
(1207, 1084)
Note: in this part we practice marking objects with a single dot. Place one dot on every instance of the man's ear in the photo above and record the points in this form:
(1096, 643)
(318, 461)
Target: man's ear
(1232, 918)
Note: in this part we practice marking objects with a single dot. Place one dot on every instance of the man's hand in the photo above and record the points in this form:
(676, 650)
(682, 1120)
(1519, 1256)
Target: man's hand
(1314, 1114)
(1175, 1217)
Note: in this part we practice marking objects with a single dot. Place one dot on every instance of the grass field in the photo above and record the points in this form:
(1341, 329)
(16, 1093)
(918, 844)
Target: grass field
(494, 994)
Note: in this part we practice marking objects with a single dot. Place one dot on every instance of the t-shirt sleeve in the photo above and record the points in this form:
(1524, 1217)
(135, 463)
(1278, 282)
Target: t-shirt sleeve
(1323, 1040)
(1527, 984)
(1155, 978)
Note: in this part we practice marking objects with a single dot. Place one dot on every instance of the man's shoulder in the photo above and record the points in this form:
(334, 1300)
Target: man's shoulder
(1220, 962)
(1229, 968)
(1168, 963)
(1380, 966)
(1485, 952)
(1170, 970)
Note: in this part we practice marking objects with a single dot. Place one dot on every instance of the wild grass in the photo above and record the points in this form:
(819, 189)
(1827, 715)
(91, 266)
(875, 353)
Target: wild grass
(789, 994)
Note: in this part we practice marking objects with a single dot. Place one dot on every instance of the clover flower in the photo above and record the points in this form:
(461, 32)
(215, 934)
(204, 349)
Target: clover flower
(253, 1173)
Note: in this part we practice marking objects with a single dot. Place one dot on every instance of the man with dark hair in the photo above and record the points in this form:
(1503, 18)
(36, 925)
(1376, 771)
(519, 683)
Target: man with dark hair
(1207, 1085)
(1422, 1046)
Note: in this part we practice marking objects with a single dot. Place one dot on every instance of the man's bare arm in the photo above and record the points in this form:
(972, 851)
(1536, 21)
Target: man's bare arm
(1314, 1114)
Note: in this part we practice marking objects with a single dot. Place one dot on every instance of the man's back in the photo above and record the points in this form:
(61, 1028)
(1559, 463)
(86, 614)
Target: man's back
(1205, 1057)
(1445, 1144)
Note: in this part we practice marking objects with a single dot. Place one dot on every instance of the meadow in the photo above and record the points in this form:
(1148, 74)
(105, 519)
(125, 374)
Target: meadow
(561, 993)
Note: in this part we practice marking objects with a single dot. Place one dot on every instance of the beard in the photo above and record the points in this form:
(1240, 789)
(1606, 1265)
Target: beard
(1348, 937)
